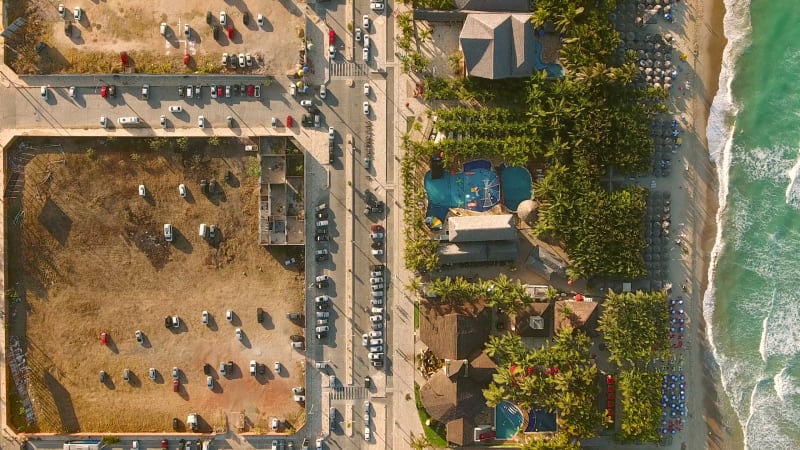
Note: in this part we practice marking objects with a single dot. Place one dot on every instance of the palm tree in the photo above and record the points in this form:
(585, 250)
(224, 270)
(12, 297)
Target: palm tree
(420, 442)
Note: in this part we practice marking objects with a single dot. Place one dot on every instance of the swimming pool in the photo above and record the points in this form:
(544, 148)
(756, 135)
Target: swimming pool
(517, 186)
(508, 419)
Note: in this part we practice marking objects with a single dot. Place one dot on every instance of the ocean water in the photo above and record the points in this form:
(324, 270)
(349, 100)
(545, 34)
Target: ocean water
(752, 306)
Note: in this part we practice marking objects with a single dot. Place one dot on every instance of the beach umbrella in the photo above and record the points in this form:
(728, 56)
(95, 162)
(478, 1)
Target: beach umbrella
(648, 70)
(667, 37)
(667, 9)
(667, 79)
(668, 64)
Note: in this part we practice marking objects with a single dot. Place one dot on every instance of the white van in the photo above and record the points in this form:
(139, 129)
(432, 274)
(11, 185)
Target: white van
(203, 230)
(129, 120)
(168, 232)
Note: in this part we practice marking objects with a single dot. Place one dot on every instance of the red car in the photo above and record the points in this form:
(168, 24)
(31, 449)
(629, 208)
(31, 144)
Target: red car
(186, 59)
(176, 385)
(376, 228)
(289, 121)
(220, 91)
(230, 33)
(251, 90)
(331, 37)
(104, 91)
(124, 58)
(164, 443)
(104, 338)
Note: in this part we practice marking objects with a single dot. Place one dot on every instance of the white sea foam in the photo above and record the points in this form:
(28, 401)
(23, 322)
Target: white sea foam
(793, 189)
(786, 385)
(762, 346)
(768, 419)
(719, 131)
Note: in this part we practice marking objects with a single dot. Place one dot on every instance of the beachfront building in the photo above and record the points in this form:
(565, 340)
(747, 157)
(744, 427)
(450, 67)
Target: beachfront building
(479, 238)
(453, 394)
(498, 45)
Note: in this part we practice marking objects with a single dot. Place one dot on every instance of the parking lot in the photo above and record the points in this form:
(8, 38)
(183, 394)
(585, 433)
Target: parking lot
(89, 256)
(110, 27)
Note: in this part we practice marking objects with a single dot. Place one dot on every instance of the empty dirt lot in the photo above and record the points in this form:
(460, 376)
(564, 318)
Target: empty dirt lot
(89, 256)
(113, 26)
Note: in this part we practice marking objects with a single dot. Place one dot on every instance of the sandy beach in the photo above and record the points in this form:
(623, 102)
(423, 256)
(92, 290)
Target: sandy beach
(694, 207)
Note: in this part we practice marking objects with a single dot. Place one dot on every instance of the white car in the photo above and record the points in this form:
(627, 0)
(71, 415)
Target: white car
(377, 287)
(376, 6)
(72, 91)
(163, 29)
(366, 54)
(260, 20)
(228, 91)
(223, 18)
(366, 89)
(377, 294)
(358, 34)
(376, 280)
(229, 315)
(322, 278)
(366, 432)
(44, 92)
(210, 382)
(376, 342)
(319, 444)
(241, 60)
(205, 317)
(239, 334)
(306, 103)
(375, 334)
(78, 12)
(62, 10)
(201, 121)
(175, 109)
(103, 122)
(366, 108)
(323, 329)
(189, 91)
(365, 340)
(175, 373)
(277, 367)
(323, 91)
(331, 133)
(293, 89)
(274, 122)
(332, 51)
(213, 91)
(366, 40)
(376, 273)
(248, 60)
(253, 367)
(376, 302)
(187, 31)
(365, 22)
(377, 252)
(377, 310)
(224, 59)
(376, 318)
(151, 373)
(163, 120)
(182, 190)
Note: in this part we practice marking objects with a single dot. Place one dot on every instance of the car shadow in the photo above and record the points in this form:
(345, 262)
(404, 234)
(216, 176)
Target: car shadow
(180, 242)
(109, 382)
(267, 322)
(212, 322)
(112, 345)
(245, 340)
(134, 379)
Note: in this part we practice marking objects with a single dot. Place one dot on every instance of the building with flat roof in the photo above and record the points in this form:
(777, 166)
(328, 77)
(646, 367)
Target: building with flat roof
(481, 228)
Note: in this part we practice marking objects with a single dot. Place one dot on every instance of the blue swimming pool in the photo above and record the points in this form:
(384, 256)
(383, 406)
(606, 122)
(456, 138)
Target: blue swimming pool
(509, 419)
(517, 186)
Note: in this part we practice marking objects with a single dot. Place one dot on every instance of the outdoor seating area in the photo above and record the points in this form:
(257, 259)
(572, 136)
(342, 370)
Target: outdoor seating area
(657, 227)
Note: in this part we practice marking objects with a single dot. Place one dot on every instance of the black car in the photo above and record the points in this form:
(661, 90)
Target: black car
(216, 32)
(246, 18)
(323, 257)
(322, 306)
(322, 215)
(322, 230)
(180, 91)
(296, 338)
(377, 244)
(321, 238)
(377, 267)
(243, 89)
(331, 158)
(176, 423)
(322, 284)
(167, 322)
(260, 315)
(112, 90)
(207, 369)
(307, 121)
(235, 89)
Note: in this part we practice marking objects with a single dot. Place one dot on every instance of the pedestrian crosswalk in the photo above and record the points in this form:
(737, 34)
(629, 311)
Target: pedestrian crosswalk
(348, 70)
(349, 393)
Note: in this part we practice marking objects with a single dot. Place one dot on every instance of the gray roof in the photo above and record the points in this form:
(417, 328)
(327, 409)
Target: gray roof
(494, 5)
(472, 252)
(481, 228)
(498, 45)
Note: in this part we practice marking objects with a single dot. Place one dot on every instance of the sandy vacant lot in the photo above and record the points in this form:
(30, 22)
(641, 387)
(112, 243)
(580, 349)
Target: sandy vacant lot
(113, 26)
(90, 257)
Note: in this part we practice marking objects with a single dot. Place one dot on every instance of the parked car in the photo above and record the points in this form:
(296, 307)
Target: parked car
(366, 89)
(139, 336)
(223, 18)
(78, 13)
(151, 373)
(260, 20)
(365, 54)
(176, 385)
(277, 367)
(253, 367)
(331, 133)
(201, 121)
(366, 108)
(323, 91)
(210, 382)
(239, 335)
(205, 317)
(358, 34)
